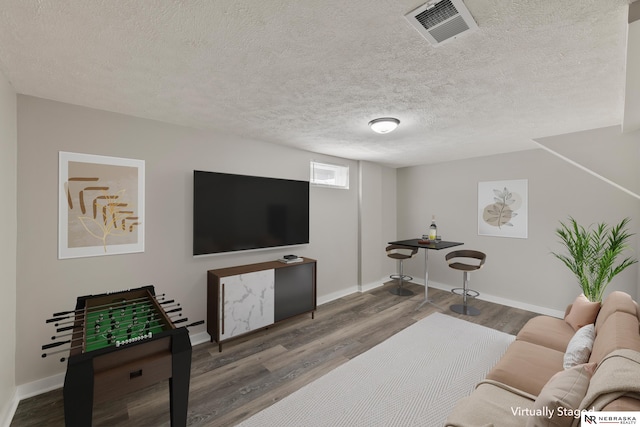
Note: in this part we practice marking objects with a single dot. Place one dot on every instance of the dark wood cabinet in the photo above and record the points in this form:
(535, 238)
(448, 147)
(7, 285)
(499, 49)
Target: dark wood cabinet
(295, 290)
(247, 298)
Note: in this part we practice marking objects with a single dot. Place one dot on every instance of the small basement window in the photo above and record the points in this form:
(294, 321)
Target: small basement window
(328, 175)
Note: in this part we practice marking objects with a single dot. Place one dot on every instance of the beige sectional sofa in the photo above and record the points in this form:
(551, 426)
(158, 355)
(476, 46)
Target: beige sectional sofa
(555, 369)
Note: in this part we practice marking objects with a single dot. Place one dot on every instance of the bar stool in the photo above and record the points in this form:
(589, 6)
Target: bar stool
(401, 253)
(451, 258)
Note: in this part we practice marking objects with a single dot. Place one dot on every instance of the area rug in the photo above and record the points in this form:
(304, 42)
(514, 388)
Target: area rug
(412, 379)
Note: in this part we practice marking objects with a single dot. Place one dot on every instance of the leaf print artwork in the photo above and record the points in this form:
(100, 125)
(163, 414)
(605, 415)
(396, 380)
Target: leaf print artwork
(100, 205)
(502, 208)
(500, 213)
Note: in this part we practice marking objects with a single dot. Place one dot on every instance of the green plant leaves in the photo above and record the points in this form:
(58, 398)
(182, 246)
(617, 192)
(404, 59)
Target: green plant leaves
(592, 254)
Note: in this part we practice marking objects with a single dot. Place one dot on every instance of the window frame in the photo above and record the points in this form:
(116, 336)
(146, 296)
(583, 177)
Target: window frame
(341, 172)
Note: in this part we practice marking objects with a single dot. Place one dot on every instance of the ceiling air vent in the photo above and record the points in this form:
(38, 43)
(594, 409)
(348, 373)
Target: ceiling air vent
(441, 21)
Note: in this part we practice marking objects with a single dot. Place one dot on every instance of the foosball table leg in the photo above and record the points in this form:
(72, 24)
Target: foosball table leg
(78, 394)
(180, 378)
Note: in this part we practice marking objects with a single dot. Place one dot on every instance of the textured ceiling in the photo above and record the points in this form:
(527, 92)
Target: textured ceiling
(312, 74)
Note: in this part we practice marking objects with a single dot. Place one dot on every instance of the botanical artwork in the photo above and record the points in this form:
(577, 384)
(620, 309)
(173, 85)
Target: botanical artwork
(502, 208)
(101, 205)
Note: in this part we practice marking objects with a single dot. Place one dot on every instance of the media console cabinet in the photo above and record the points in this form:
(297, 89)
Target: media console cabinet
(250, 297)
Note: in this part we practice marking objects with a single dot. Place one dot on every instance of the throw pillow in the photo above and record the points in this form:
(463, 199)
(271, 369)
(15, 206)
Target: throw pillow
(560, 397)
(582, 312)
(579, 348)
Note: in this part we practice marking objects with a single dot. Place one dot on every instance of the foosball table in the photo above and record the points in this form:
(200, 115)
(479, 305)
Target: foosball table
(118, 343)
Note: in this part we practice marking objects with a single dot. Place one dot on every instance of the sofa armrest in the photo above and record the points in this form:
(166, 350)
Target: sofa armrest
(490, 404)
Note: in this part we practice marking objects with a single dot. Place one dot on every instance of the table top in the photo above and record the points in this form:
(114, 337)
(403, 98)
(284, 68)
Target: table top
(414, 243)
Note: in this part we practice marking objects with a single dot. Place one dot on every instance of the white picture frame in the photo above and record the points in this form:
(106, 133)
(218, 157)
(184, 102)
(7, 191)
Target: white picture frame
(100, 205)
(503, 208)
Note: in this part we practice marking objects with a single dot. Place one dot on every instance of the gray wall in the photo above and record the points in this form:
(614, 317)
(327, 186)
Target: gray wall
(8, 238)
(349, 228)
(604, 151)
(377, 222)
(520, 271)
(46, 285)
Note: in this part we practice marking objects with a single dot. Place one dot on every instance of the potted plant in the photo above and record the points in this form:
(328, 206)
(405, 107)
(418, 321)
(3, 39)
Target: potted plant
(592, 254)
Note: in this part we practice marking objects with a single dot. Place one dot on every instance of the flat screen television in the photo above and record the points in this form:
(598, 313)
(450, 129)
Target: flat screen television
(241, 212)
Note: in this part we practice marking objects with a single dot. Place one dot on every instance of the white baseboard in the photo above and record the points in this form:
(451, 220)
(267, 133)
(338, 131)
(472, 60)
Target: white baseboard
(336, 295)
(199, 338)
(9, 410)
(499, 300)
(376, 284)
(43, 385)
(361, 288)
(54, 382)
(485, 297)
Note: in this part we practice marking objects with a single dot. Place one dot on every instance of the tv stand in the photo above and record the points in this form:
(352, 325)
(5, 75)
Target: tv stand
(248, 298)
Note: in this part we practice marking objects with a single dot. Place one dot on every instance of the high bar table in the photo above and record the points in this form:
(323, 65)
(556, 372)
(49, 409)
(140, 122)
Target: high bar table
(415, 243)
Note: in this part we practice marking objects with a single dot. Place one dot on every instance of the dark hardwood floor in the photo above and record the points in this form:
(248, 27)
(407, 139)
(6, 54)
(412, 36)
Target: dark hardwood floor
(255, 371)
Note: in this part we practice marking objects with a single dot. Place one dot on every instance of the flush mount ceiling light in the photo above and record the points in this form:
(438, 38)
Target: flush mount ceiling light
(384, 124)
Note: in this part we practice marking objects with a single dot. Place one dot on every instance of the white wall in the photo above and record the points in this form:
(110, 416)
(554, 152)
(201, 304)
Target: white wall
(46, 285)
(520, 270)
(8, 236)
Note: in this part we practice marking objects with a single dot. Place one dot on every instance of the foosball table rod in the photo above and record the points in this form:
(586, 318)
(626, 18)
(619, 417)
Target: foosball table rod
(151, 317)
(57, 344)
(80, 324)
(64, 314)
(110, 315)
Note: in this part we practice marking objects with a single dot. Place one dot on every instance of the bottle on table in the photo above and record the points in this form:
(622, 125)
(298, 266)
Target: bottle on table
(433, 229)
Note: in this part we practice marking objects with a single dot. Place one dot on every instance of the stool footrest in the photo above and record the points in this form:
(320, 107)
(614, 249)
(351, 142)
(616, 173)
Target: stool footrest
(470, 292)
(403, 277)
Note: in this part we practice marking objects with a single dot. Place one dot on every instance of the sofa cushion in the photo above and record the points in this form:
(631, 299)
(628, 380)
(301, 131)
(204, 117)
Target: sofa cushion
(582, 312)
(620, 330)
(623, 403)
(527, 366)
(616, 301)
(579, 348)
(565, 390)
(547, 331)
(491, 405)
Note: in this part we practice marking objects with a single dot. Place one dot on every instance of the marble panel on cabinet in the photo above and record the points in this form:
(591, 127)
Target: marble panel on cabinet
(248, 302)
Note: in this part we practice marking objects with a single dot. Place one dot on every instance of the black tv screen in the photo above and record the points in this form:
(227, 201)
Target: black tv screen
(241, 212)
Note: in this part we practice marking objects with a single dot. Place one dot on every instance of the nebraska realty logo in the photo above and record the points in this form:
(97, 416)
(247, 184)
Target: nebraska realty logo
(610, 418)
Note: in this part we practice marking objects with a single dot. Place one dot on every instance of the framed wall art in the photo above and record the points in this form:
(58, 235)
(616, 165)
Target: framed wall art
(100, 205)
(502, 208)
